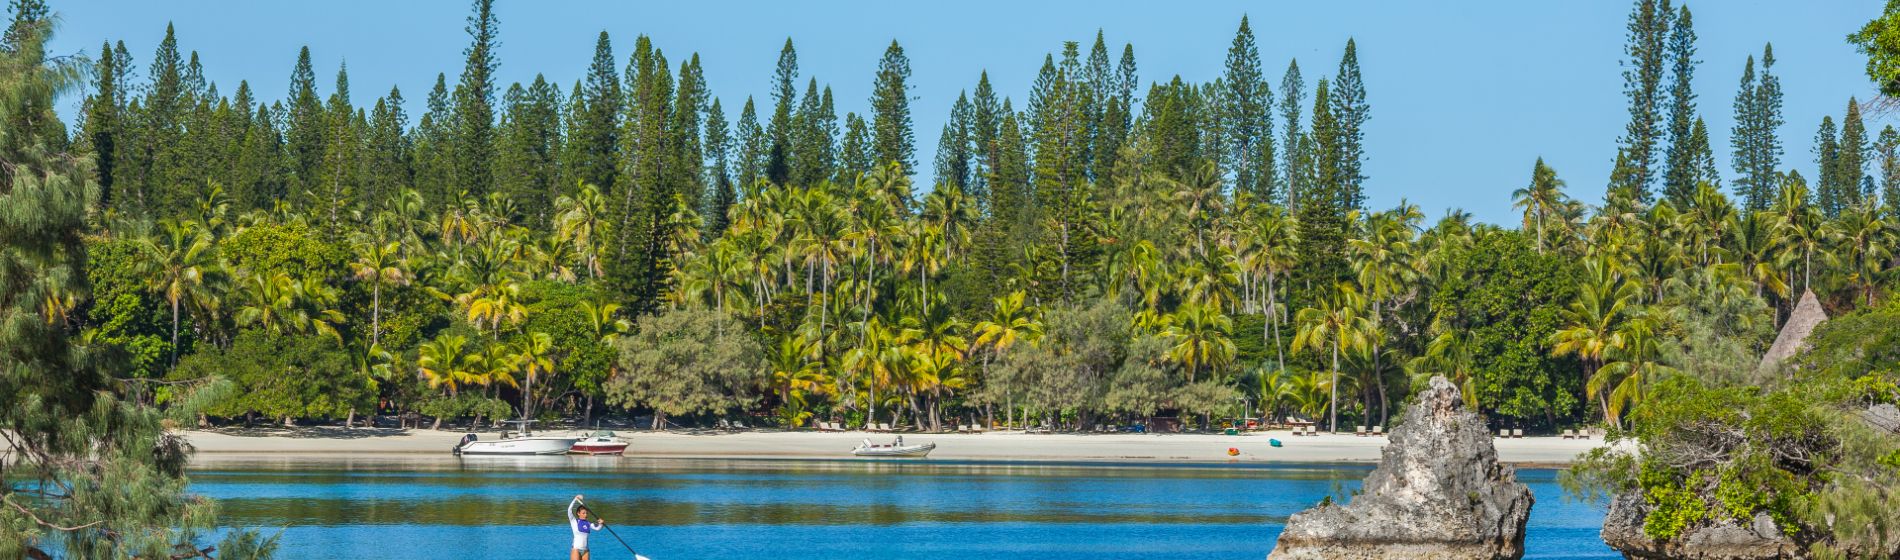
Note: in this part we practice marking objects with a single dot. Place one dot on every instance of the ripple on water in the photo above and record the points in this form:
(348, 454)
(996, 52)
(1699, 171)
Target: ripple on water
(683, 509)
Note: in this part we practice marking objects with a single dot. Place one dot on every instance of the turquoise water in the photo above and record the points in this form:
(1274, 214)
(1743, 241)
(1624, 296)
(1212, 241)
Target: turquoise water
(690, 509)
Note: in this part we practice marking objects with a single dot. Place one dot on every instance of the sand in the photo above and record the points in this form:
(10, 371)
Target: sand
(993, 446)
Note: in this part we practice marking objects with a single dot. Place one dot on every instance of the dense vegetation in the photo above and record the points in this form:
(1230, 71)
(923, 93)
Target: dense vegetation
(86, 472)
(1109, 251)
(1722, 437)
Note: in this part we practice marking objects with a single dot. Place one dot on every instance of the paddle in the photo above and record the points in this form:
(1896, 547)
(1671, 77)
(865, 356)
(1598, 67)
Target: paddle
(610, 531)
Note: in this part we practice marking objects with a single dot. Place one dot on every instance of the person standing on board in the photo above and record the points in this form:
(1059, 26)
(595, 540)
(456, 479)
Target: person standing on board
(578, 523)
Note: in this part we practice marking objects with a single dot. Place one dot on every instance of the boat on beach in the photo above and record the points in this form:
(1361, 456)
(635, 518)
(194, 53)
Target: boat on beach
(599, 443)
(894, 449)
(513, 443)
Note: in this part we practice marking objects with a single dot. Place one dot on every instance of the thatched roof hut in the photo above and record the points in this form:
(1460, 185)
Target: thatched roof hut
(1794, 335)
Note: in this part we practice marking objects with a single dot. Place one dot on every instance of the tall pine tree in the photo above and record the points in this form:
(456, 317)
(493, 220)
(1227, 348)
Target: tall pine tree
(892, 137)
(779, 131)
(1680, 160)
(1351, 112)
(594, 133)
(1645, 46)
(474, 103)
(1756, 147)
(1246, 104)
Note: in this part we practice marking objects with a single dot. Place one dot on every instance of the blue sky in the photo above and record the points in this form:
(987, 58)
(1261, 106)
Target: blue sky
(1464, 96)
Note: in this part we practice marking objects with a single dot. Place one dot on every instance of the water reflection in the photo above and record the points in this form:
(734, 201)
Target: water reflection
(500, 507)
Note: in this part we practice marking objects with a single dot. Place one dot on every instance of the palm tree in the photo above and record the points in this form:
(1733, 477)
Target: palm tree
(1865, 248)
(1754, 244)
(795, 375)
(179, 266)
(1010, 323)
(579, 220)
(1199, 333)
(952, 211)
(1451, 354)
(443, 364)
(876, 358)
(1386, 268)
(1632, 366)
(534, 354)
(379, 264)
(496, 306)
(1540, 200)
(1278, 235)
(281, 305)
(923, 254)
(1199, 197)
(605, 328)
(1336, 325)
(1593, 325)
(1804, 231)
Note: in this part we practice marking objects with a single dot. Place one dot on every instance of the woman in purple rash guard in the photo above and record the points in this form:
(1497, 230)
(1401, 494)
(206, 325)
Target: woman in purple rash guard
(578, 523)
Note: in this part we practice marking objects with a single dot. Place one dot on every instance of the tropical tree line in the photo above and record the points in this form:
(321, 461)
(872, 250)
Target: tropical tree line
(1095, 257)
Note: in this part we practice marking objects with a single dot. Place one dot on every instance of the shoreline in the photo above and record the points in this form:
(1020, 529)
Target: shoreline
(993, 447)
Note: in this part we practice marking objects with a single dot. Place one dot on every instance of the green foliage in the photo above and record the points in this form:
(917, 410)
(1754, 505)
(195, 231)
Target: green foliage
(1509, 298)
(290, 248)
(120, 314)
(465, 405)
(1880, 41)
(281, 376)
(1673, 508)
(688, 362)
(91, 472)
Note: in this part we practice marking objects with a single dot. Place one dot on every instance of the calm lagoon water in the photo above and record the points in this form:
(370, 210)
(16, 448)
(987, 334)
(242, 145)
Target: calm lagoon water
(692, 509)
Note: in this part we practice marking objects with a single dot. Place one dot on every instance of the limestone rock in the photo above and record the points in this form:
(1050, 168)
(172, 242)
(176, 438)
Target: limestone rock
(1725, 539)
(1883, 416)
(1438, 493)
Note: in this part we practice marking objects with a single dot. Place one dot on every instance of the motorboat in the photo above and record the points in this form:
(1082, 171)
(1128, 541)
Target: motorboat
(599, 443)
(523, 442)
(894, 449)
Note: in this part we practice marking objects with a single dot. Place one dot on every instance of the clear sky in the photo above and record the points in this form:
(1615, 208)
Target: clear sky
(1464, 95)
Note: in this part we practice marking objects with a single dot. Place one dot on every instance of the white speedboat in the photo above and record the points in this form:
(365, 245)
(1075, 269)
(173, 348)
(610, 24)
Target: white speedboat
(511, 443)
(893, 449)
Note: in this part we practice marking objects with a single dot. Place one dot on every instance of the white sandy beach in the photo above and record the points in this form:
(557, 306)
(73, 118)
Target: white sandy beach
(994, 446)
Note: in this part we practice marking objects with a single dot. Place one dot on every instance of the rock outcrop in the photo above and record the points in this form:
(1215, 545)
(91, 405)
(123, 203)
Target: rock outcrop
(1725, 539)
(1438, 493)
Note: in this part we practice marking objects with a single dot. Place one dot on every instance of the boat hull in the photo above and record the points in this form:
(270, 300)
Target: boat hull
(591, 448)
(906, 451)
(519, 446)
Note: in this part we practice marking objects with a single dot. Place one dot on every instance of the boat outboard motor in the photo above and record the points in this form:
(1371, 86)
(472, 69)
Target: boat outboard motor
(466, 439)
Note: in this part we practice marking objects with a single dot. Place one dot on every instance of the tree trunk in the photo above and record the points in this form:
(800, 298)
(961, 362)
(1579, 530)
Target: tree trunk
(174, 332)
(376, 313)
(587, 416)
(659, 420)
(1333, 408)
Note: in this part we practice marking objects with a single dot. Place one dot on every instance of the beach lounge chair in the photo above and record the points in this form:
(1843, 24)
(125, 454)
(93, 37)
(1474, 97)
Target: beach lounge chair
(1359, 431)
(882, 427)
(1583, 433)
(1517, 432)
(1569, 433)
(1504, 432)
(1378, 431)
